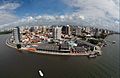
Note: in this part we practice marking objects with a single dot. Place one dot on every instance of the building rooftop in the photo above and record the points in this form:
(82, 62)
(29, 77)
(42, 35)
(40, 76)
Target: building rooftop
(85, 42)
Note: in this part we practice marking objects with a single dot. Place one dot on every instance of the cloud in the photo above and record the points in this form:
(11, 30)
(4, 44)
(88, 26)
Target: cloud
(6, 15)
(97, 12)
(7, 18)
(100, 13)
(9, 6)
(73, 19)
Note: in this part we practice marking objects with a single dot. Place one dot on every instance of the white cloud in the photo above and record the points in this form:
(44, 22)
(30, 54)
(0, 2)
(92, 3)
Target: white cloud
(9, 6)
(101, 12)
(7, 18)
(104, 13)
(6, 15)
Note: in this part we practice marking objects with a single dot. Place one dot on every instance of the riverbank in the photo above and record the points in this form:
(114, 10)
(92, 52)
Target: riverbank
(44, 52)
(91, 54)
(8, 43)
(54, 66)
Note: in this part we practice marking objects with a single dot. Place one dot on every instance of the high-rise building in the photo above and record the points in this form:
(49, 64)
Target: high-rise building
(68, 30)
(87, 29)
(16, 34)
(97, 33)
(57, 33)
(78, 31)
(32, 29)
(43, 29)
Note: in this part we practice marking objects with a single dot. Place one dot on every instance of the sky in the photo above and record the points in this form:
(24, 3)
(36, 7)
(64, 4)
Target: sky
(100, 13)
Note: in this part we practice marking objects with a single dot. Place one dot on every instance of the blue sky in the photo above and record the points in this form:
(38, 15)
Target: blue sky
(40, 7)
(36, 7)
(103, 13)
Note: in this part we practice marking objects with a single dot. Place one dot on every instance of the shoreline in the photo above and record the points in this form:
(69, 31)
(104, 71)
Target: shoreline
(83, 41)
(45, 52)
(51, 52)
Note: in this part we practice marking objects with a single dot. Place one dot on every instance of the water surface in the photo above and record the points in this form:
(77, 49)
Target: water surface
(21, 64)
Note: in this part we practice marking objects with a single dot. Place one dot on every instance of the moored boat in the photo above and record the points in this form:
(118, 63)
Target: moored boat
(92, 56)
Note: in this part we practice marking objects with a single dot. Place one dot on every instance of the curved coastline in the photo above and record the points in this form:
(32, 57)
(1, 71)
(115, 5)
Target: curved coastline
(109, 58)
(45, 52)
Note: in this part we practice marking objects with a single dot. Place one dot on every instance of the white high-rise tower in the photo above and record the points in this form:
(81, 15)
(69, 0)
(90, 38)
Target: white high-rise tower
(16, 34)
(57, 33)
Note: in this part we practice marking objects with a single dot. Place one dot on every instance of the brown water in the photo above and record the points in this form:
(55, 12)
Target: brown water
(21, 64)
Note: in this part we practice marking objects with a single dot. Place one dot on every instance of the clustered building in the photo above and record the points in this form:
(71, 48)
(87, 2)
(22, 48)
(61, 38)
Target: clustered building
(60, 38)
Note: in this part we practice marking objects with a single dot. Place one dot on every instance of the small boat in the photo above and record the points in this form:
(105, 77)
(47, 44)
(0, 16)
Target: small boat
(114, 42)
(40, 72)
(92, 56)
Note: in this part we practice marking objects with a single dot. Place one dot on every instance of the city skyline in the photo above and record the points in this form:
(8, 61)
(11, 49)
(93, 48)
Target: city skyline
(59, 38)
(33, 12)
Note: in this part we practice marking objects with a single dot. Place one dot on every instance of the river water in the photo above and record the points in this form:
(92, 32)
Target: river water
(22, 64)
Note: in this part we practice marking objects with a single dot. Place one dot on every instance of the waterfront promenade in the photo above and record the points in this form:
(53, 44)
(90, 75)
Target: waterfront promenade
(10, 44)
